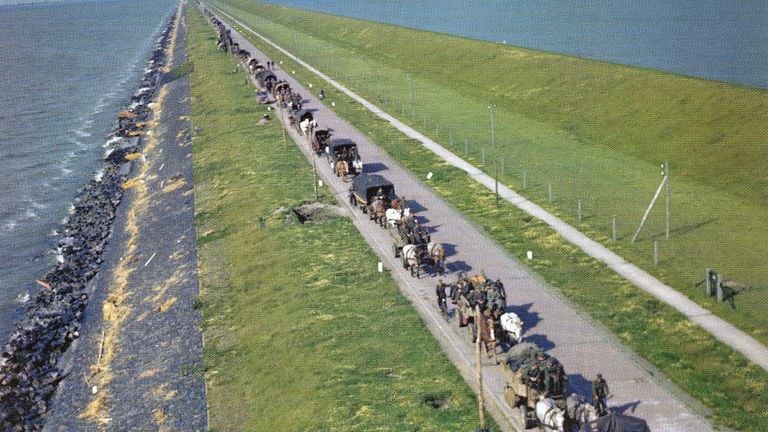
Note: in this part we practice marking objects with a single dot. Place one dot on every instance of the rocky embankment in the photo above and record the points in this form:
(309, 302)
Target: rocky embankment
(29, 369)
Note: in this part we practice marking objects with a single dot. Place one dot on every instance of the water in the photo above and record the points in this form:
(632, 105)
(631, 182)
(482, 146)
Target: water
(66, 70)
(712, 39)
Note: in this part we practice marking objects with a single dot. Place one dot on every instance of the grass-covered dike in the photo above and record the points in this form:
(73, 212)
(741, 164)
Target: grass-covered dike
(731, 387)
(593, 133)
(301, 331)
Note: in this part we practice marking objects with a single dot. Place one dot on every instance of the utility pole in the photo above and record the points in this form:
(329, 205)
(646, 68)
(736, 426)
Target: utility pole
(314, 174)
(480, 397)
(282, 123)
(666, 176)
(492, 108)
(410, 90)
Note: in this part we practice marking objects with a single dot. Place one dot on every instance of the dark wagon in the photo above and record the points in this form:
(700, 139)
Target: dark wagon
(344, 157)
(365, 188)
(320, 140)
(265, 79)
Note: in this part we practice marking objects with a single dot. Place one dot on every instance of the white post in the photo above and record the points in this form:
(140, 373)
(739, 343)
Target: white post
(578, 209)
(655, 252)
(613, 228)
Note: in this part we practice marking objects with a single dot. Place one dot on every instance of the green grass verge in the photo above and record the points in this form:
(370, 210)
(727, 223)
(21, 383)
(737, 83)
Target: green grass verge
(302, 333)
(733, 388)
(595, 132)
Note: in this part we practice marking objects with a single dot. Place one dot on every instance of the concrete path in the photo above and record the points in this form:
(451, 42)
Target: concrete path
(724, 331)
(156, 378)
(584, 347)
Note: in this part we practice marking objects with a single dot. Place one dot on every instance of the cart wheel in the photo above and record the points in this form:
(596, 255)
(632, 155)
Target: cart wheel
(397, 252)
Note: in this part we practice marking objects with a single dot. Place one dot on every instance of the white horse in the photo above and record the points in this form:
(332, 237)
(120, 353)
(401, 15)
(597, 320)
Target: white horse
(411, 259)
(394, 215)
(513, 325)
(579, 410)
(436, 253)
(304, 125)
(550, 416)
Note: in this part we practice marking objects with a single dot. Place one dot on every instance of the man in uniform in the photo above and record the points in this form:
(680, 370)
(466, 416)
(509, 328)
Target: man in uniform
(534, 377)
(442, 302)
(600, 393)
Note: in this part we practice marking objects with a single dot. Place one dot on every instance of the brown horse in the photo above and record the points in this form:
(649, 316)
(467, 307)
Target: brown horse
(341, 169)
(378, 211)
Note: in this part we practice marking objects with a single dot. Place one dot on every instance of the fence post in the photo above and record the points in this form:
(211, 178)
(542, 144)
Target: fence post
(655, 252)
(578, 209)
(613, 228)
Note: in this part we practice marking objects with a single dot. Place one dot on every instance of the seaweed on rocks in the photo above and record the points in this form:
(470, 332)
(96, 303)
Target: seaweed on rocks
(29, 370)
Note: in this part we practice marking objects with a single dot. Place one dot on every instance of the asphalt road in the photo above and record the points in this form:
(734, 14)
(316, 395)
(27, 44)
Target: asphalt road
(584, 347)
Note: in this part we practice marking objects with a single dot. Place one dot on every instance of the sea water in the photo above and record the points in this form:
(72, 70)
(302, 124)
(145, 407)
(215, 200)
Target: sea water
(66, 69)
(723, 40)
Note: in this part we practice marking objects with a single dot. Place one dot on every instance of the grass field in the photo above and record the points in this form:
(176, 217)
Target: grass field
(594, 133)
(731, 387)
(302, 333)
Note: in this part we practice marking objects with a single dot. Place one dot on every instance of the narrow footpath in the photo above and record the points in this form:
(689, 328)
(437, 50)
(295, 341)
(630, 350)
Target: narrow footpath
(549, 321)
(139, 362)
(724, 331)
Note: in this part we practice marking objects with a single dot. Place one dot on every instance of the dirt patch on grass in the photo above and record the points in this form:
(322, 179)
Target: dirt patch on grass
(318, 212)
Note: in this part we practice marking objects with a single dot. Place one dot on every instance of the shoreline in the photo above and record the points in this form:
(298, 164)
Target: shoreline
(30, 368)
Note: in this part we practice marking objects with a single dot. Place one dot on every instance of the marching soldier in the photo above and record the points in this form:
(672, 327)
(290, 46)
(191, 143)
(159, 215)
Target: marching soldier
(600, 393)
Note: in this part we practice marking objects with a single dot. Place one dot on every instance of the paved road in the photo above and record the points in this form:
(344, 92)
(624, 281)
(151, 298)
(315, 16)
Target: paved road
(550, 322)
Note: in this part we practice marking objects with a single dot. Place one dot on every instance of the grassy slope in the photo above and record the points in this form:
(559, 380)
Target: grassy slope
(736, 394)
(301, 331)
(584, 142)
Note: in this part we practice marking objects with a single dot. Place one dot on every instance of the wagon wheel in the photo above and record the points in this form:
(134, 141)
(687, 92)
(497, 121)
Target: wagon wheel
(396, 250)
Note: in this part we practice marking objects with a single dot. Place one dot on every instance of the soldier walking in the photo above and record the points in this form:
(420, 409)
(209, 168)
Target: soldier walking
(600, 393)
(442, 298)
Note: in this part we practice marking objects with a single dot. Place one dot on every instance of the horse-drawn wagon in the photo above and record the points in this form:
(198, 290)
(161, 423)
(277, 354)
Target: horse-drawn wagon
(299, 118)
(535, 384)
(320, 140)
(266, 80)
(344, 157)
(367, 188)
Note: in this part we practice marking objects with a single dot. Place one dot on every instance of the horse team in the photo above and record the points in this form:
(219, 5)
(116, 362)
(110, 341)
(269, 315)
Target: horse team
(536, 382)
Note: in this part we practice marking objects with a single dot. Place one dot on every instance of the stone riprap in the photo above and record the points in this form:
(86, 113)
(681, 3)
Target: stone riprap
(29, 369)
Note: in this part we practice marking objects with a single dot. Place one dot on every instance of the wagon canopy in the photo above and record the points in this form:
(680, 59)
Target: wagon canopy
(322, 134)
(366, 185)
(340, 144)
(302, 115)
(616, 423)
(265, 76)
